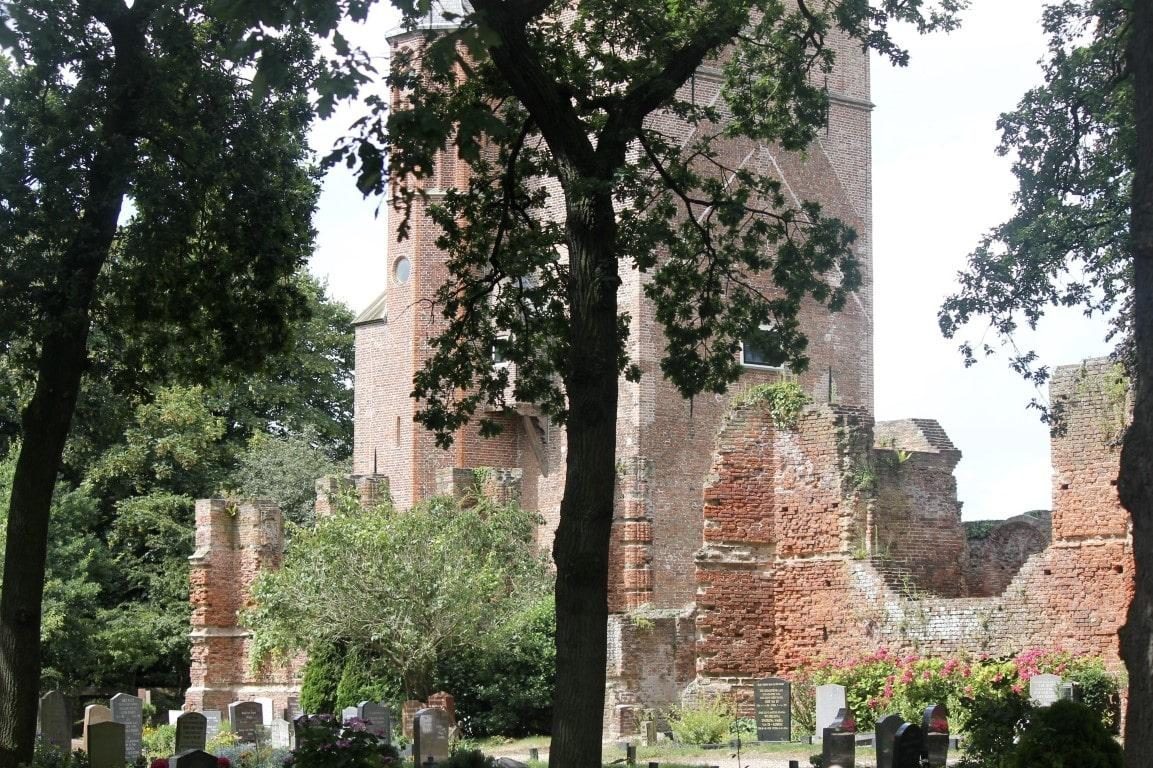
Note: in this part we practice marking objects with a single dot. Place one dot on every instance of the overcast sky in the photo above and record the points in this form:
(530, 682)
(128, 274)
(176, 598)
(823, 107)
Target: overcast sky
(937, 185)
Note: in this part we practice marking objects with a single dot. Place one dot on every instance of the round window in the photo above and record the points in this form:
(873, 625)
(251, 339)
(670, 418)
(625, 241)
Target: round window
(402, 269)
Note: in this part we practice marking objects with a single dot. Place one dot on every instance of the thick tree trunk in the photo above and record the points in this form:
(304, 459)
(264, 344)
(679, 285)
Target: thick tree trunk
(1136, 477)
(65, 319)
(581, 547)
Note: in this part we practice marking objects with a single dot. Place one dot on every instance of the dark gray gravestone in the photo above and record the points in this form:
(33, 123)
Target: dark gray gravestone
(106, 745)
(1044, 689)
(292, 711)
(247, 718)
(93, 714)
(280, 734)
(55, 727)
(197, 758)
(377, 719)
(430, 733)
(347, 714)
(908, 746)
(1070, 691)
(772, 705)
(191, 732)
(830, 701)
(886, 731)
(129, 710)
(839, 741)
(935, 730)
(213, 718)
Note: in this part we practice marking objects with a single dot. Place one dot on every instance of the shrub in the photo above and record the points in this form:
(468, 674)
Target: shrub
(1065, 735)
(159, 741)
(468, 758)
(322, 741)
(706, 722)
(322, 675)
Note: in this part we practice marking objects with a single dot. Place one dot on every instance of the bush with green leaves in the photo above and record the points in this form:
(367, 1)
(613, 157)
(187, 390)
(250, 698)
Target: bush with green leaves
(159, 741)
(707, 721)
(1065, 735)
(323, 741)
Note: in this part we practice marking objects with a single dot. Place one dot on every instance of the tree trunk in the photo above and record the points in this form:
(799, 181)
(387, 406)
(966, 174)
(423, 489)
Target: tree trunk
(1136, 476)
(65, 320)
(581, 546)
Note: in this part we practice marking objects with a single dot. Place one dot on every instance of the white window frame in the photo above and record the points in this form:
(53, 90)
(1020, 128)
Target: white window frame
(761, 366)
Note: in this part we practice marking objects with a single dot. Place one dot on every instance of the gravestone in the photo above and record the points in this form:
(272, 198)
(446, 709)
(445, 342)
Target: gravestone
(129, 710)
(886, 731)
(292, 710)
(430, 731)
(348, 713)
(213, 718)
(935, 731)
(1070, 691)
(105, 744)
(839, 741)
(772, 706)
(265, 710)
(377, 719)
(650, 732)
(280, 734)
(830, 701)
(173, 714)
(908, 745)
(55, 727)
(1044, 689)
(191, 732)
(93, 714)
(197, 758)
(247, 719)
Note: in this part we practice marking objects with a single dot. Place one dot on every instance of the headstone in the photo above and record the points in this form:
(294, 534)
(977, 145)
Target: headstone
(348, 713)
(1044, 689)
(430, 729)
(1071, 691)
(377, 719)
(247, 719)
(908, 745)
(55, 727)
(280, 734)
(173, 714)
(197, 758)
(650, 732)
(292, 710)
(772, 705)
(93, 714)
(213, 718)
(105, 744)
(508, 762)
(265, 710)
(129, 710)
(886, 731)
(935, 730)
(839, 741)
(191, 732)
(830, 700)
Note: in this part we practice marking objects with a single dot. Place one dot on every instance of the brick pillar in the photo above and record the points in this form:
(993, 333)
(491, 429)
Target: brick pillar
(631, 580)
(500, 484)
(445, 701)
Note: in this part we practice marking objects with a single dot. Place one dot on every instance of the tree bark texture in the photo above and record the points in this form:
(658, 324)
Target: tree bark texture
(47, 418)
(1136, 477)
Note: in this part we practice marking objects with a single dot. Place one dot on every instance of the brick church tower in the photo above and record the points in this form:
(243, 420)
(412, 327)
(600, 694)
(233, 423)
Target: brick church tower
(664, 443)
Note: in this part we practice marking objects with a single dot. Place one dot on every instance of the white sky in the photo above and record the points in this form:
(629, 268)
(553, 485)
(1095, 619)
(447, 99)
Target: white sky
(937, 185)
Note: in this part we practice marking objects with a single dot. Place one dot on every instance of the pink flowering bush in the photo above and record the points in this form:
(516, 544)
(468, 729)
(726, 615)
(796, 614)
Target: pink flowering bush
(885, 682)
(322, 741)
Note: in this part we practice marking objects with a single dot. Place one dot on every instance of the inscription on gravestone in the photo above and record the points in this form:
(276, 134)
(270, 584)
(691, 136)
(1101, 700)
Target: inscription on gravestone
(886, 732)
(830, 700)
(908, 746)
(55, 728)
(772, 703)
(1044, 690)
(430, 730)
(935, 731)
(129, 711)
(213, 718)
(191, 732)
(839, 741)
(105, 745)
(377, 718)
(247, 719)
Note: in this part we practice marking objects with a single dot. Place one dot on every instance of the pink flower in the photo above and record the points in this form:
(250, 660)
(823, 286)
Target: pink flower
(1017, 687)
(927, 674)
(907, 677)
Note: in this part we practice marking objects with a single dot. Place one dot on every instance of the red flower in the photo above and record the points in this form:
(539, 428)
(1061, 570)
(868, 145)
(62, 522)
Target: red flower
(223, 762)
(159, 762)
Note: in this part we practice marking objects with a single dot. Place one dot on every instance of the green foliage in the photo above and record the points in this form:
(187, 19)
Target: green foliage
(284, 469)
(160, 741)
(505, 687)
(357, 682)
(324, 742)
(785, 400)
(48, 756)
(322, 675)
(405, 589)
(708, 721)
(469, 758)
(1065, 735)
